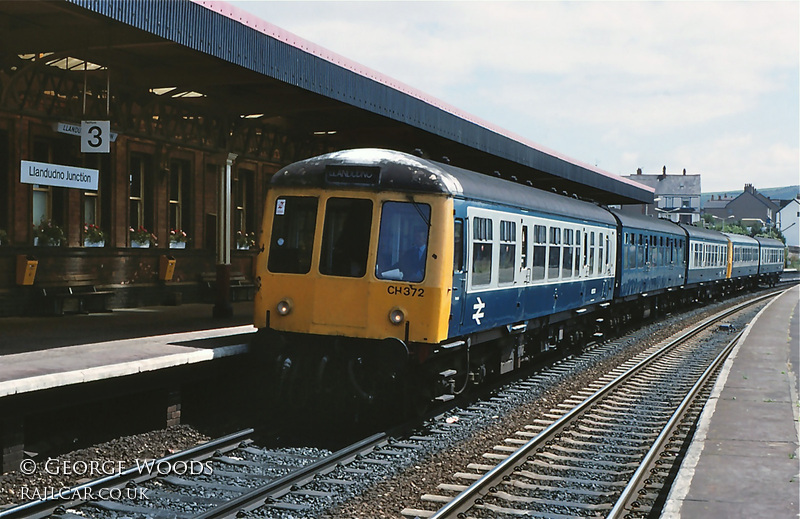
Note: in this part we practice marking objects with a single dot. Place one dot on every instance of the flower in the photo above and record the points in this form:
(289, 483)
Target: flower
(177, 236)
(245, 239)
(142, 235)
(92, 233)
(48, 233)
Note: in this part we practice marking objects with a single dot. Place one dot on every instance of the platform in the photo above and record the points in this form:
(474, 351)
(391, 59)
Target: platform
(42, 353)
(744, 461)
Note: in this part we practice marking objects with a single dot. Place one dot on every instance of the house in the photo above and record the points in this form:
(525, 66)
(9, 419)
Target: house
(750, 205)
(677, 197)
(789, 218)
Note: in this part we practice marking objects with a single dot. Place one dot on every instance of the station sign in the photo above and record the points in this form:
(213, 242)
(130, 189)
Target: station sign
(91, 141)
(57, 175)
(95, 136)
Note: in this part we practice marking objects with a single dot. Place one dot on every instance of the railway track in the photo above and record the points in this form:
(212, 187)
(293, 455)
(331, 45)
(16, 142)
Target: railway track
(605, 452)
(243, 479)
(233, 477)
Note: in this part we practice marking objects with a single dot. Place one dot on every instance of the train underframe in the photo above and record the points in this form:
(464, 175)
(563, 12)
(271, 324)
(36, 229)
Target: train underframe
(360, 378)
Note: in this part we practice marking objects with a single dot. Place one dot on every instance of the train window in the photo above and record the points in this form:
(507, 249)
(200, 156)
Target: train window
(524, 251)
(458, 245)
(403, 241)
(630, 251)
(539, 250)
(508, 252)
(590, 256)
(345, 237)
(568, 254)
(608, 250)
(481, 251)
(292, 237)
(600, 253)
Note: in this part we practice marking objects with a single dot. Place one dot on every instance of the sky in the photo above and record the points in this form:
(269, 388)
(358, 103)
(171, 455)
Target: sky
(710, 87)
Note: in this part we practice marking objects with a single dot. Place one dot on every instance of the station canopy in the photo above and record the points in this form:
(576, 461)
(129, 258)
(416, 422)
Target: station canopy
(212, 59)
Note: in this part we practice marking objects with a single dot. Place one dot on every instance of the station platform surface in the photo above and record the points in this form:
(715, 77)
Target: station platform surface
(39, 353)
(744, 461)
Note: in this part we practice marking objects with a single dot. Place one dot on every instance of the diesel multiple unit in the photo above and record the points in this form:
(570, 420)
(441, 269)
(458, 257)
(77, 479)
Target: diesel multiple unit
(385, 274)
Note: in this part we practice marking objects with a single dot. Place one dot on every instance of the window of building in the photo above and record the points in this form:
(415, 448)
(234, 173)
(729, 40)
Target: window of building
(179, 195)
(242, 192)
(140, 191)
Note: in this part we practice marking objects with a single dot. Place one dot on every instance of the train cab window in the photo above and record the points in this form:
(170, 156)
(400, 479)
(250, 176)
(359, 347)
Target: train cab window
(458, 245)
(345, 237)
(554, 259)
(292, 235)
(539, 250)
(481, 251)
(508, 252)
(403, 241)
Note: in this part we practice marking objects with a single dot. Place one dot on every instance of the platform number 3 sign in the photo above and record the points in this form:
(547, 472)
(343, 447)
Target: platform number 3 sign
(95, 136)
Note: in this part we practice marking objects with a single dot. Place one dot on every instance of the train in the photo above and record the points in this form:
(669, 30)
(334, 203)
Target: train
(387, 279)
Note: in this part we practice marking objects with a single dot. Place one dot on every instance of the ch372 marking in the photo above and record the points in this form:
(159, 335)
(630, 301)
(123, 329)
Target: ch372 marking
(405, 291)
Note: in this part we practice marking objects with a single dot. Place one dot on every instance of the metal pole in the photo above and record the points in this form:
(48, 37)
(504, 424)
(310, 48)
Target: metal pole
(222, 306)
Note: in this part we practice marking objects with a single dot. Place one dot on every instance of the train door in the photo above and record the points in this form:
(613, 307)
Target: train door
(524, 263)
(459, 278)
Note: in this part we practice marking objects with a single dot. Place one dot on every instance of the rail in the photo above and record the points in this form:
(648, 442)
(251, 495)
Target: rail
(475, 493)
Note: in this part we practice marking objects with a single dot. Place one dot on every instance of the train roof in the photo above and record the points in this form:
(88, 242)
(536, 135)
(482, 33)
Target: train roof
(741, 239)
(769, 242)
(700, 233)
(393, 170)
(647, 223)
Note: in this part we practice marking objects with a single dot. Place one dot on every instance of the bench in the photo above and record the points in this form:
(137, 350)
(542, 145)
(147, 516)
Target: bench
(77, 288)
(241, 288)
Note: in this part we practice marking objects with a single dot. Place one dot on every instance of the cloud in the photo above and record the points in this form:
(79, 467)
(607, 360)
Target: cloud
(615, 82)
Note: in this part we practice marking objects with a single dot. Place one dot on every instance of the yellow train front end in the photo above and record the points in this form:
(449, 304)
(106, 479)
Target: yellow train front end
(322, 273)
(355, 279)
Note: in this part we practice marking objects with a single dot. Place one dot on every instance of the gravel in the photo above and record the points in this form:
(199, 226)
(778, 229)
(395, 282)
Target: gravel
(147, 446)
(475, 431)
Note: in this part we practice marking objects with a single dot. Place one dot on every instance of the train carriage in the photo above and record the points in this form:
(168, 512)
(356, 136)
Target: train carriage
(652, 255)
(707, 257)
(742, 258)
(771, 259)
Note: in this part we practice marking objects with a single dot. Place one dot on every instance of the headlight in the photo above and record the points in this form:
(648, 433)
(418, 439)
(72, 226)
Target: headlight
(284, 307)
(396, 316)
